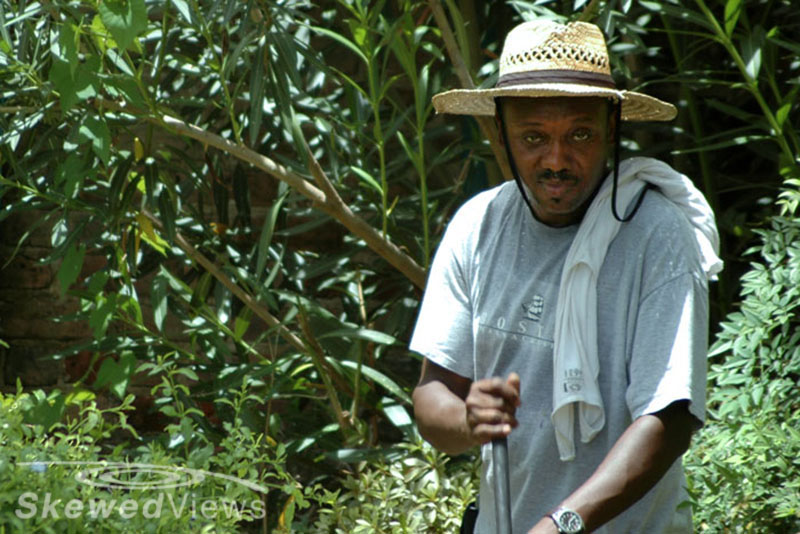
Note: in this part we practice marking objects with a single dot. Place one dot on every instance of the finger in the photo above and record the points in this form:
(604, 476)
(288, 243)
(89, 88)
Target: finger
(477, 416)
(485, 425)
(484, 433)
(485, 399)
(493, 396)
(507, 389)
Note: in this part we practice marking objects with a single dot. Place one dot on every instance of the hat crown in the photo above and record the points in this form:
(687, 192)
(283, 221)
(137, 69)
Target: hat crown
(545, 45)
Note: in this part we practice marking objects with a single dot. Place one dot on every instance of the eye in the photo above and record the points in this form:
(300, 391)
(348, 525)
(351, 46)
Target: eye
(582, 134)
(534, 138)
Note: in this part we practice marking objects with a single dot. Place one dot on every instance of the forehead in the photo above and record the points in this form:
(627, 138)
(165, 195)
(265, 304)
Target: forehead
(582, 109)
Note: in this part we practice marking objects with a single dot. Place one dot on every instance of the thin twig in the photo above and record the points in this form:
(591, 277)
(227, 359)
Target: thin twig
(17, 109)
(325, 372)
(240, 293)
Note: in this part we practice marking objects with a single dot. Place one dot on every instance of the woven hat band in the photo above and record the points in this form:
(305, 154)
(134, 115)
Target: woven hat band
(557, 76)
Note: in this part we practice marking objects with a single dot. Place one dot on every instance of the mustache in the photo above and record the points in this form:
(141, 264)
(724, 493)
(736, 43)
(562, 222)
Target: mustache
(548, 174)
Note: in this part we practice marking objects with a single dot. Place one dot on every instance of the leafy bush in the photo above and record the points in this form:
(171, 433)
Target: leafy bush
(419, 490)
(127, 489)
(743, 467)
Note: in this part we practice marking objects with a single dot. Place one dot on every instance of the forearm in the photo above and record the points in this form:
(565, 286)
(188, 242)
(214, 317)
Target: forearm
(638, 460)
(442, 418)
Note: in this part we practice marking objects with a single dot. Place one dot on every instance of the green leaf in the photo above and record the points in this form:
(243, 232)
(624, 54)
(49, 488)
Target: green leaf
(342, 40)
(188, 373)
(59, 234)
(95, 130)
(102, 314)
(398, 415)
(79, 396)
(45, 410)
(412, 155)
(124, 19)
(360, 333)
(119, 85)
(62, 80)
(380, 378)
(681, 12)
(751, 51)
(257, 93)
(71, 173)
(67, 40)
(158, 298)
(267, 231)
(743, 140)
(733, 8)
(783, 112)
(6, 37)
(70, 266)
(116, 374)
(183, 8)
(242, 323)
(167, 212)
(793, 47)
(367, 179)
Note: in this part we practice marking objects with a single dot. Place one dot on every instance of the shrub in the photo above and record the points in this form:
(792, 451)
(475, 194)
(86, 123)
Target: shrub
(418, 491)
(78, 476)
(743, 467)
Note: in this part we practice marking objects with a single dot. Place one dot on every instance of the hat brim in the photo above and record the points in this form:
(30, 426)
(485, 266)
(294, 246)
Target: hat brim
(635, 106)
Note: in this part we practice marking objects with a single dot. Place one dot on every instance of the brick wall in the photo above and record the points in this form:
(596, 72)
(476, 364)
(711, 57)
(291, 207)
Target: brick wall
(29, 298)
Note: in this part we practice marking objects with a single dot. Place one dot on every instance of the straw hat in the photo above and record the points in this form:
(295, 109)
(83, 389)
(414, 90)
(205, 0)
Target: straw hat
(543, 58)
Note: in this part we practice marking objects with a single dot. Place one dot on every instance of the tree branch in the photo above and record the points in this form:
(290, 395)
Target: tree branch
(325, 199)
(486, 124)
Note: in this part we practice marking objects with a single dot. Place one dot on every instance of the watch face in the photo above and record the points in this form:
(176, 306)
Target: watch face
(570, 522)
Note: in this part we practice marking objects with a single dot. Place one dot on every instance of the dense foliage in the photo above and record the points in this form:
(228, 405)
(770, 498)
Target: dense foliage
(41, 489)
(243, 198)
(743, 464)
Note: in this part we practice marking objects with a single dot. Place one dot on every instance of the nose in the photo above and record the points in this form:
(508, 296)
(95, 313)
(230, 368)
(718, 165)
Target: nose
(555, 158)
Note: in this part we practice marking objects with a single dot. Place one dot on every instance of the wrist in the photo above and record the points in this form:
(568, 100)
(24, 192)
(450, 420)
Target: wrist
(567, 521)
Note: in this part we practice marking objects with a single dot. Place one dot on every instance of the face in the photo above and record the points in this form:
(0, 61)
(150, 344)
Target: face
(560, 147)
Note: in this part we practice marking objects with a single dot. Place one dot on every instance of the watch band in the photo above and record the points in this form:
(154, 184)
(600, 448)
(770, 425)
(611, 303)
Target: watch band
(568, 521)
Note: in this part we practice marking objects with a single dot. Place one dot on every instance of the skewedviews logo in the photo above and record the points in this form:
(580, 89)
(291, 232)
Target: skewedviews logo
(147, 490)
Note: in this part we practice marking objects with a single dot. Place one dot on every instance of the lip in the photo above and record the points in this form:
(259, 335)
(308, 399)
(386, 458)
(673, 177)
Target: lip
(556, 188)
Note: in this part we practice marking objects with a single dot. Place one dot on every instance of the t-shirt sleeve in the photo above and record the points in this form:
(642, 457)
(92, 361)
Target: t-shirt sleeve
(668, 358)
(443, 332)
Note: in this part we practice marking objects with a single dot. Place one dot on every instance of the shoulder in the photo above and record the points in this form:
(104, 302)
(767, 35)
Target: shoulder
(482, 212)
(662, 235)
(487, 202)
(659, 215)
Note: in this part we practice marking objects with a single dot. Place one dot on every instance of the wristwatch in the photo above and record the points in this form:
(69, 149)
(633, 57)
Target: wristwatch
(567, 521)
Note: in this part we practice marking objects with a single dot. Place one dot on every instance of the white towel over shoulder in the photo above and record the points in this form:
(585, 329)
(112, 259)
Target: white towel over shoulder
(575, 360)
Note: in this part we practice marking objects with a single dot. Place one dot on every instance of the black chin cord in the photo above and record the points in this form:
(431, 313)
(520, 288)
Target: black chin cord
(511, 163)
(617, 144)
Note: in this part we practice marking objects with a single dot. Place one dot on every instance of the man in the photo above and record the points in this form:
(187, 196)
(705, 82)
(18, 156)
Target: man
(546, 309)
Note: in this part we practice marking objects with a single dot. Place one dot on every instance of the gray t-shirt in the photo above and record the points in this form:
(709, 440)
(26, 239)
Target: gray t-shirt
(489, 309)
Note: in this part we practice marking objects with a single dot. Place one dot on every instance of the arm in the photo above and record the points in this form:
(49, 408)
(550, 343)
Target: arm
(637, 461)
(454, 413)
